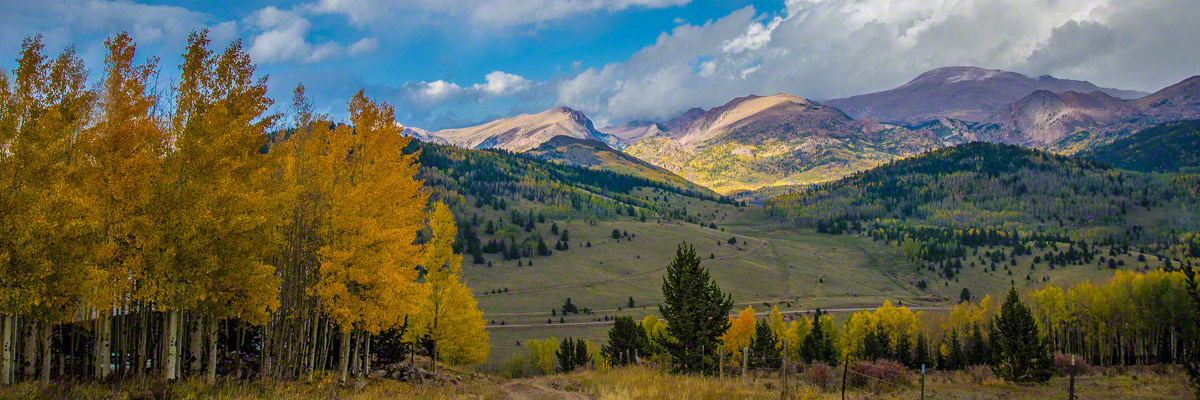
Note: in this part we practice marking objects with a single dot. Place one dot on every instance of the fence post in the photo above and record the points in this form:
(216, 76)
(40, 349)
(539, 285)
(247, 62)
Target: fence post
(1071, 391)
(721, 364)
(922, 381)
(745, 361)
(783, 372)
(845, 368)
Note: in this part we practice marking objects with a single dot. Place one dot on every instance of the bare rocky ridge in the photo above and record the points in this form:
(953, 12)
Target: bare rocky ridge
(524, 132)
(963, 93)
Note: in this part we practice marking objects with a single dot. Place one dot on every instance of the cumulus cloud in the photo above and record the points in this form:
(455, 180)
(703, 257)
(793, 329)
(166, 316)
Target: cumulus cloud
(283, 37)
(500, 83)
(824, 49)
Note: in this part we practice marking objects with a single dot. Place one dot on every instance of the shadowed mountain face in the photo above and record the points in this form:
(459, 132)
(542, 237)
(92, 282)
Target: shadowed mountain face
(1168, 147)
(523, 132)
(963, 93)
(1069, 122)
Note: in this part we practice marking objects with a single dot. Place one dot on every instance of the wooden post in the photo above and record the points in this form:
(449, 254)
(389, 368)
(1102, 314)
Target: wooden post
(922, 381)
(745, 361)
(845, 368)
(1071, 391)
(783, 372)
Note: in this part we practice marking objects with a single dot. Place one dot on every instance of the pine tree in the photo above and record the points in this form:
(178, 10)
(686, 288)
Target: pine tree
(581, 353)
(625, 338)
(1022, 354)
(696, 312)
(1193, 291)
(566, 355)
(818, 347)
(921, 352)
(764, 347)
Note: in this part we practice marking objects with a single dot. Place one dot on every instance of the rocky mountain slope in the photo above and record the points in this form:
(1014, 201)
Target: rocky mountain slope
(963, 93)
(522, 132)
(756, 141)
(597, 155)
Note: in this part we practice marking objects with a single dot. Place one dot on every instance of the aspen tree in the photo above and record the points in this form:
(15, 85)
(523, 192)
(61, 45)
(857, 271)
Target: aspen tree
(368, 277)
(449, 315)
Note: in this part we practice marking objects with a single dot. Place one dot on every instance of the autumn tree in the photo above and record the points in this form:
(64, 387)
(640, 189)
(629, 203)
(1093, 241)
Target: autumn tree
(449, 315)
(737, 338)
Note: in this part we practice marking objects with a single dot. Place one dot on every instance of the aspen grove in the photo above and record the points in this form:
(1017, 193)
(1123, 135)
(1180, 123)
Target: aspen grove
(186, 230)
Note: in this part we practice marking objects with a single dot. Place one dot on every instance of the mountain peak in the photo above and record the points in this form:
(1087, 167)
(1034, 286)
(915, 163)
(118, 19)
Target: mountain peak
(960, 92)
(523, 132)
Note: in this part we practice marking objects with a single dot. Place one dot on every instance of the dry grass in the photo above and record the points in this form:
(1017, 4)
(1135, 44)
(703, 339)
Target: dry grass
(636, 383)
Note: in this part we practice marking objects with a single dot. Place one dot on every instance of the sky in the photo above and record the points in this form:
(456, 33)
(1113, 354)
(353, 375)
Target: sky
(454, 63)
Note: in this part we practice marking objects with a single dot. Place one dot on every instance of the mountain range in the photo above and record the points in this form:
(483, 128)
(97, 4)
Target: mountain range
(754, 141)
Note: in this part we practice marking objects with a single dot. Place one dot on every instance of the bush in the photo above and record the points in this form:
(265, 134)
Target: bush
(980, 374)
(1062, 365)
(822, 376)
(878, 376)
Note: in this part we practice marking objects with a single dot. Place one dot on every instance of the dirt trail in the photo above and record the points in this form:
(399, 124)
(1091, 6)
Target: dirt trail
(534, 390)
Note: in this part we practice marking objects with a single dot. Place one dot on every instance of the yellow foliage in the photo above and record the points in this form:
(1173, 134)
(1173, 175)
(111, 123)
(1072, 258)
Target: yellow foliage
(449, 314)
(741, 330)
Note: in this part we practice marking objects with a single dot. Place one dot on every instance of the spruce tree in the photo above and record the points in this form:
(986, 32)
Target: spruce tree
(566, 355)
(764, 347)
(904, 350)
(581, 353)
(1193, 290)
(818, 347)
(1022, 354)
(697, 313)
(625, 337)
(921, 352)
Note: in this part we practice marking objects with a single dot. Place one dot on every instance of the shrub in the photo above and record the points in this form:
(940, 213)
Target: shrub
(980, 374)
(878, 376)
(1062, 365)
(822, 376)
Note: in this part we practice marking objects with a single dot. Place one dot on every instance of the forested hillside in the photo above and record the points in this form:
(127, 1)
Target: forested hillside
(1169, 147)
(945, 202)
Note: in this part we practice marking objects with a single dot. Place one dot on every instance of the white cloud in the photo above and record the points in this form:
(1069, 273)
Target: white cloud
(500, 83)
(364, 45)
(832, 48)
(284, 37)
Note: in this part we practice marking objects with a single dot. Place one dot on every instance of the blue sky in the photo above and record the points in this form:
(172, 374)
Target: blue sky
(450, 63)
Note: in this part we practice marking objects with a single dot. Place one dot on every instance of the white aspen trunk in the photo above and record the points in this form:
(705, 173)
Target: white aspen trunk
(171, 367)
(7, 363)
(144, 333)
(343, 360)
(354, 354)
(47, 334)
(311, 357)
(212, 350)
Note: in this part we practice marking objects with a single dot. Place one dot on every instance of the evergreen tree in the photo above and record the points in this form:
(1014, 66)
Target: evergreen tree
(566, 355)
(764, 347)
(818, 346)
(904, 350)
(625, 337)
(1193, 291)
(696, 310)
(921, 352)
(581, 353)
(1023, 355)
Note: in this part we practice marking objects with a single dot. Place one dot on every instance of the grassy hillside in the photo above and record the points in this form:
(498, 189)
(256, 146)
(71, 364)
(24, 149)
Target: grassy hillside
(769, 263)
(1169, 147)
